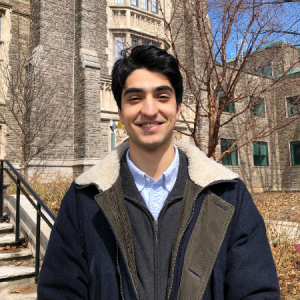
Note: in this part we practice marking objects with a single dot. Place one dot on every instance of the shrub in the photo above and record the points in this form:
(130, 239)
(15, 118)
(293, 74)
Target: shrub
(51, 192)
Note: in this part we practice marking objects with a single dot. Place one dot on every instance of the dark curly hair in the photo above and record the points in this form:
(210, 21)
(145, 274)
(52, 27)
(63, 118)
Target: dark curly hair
(147, 57)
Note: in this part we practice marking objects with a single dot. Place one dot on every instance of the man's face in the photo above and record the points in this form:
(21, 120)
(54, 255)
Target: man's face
(149, 109)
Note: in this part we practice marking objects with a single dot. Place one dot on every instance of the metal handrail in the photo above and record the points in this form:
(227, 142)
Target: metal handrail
(38, 206)
(289, 182)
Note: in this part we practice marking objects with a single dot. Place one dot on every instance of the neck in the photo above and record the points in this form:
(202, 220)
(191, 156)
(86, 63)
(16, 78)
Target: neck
(153, 163)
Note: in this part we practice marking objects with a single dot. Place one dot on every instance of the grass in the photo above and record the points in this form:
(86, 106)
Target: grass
(273, 206)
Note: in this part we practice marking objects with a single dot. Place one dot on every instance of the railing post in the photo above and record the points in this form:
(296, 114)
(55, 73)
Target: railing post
(1, 190)
(38, 241)
(18, 211)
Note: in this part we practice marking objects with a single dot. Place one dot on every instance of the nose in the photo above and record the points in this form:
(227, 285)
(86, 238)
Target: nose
(149, 108)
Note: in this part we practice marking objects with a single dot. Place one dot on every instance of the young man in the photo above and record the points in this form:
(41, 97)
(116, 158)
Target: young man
(152, 220)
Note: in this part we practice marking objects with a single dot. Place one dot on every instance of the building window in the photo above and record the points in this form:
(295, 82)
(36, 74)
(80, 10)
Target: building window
(2, 15)
(228, 107)
(144, 4)
(119, 1)
(155, 44)
(293, 106)
(134, 42)
(295, 153)
(119, 46)
(154, 6)
(260, 154)
(145, 43)
(134, 3)
(230, 159)
(265, 70)
(258, 108)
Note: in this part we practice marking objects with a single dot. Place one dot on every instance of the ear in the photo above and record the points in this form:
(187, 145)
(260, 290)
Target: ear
(120, 115)
(178, 111)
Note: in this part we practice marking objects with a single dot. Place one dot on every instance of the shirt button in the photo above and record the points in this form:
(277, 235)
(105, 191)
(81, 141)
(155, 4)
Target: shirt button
(147, 179)
(155, 205)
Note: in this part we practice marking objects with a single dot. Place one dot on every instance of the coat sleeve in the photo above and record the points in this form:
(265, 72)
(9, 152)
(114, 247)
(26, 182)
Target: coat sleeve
(64, 273)
(251, 272)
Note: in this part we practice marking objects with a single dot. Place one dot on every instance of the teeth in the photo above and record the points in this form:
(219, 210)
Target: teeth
(149, 125)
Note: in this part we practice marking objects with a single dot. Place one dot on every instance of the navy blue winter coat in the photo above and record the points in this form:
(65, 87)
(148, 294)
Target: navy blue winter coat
(220, 250)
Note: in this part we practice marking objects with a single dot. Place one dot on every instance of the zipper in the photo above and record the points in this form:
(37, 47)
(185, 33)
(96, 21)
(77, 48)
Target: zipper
(155, 227)
(156, 253)
(156, 231)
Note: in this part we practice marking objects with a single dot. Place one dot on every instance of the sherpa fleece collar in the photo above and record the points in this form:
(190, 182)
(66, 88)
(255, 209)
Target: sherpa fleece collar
(202, 170)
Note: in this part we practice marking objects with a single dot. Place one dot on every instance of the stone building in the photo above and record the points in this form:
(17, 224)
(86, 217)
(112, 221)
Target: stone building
(270, 162)
(83, 38)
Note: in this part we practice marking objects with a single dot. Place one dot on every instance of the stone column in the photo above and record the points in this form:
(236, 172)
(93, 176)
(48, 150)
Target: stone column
(87, 122)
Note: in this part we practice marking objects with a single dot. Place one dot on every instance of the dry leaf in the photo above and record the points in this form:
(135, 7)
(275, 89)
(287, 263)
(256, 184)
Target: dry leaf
(18, 263)
(21, 290)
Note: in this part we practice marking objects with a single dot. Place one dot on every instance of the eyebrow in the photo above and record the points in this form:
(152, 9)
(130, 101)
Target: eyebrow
(157, 89)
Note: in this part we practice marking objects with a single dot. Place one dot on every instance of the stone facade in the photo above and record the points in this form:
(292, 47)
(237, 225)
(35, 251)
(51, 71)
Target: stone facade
(15, 30)
(80, 39)
(283, 60)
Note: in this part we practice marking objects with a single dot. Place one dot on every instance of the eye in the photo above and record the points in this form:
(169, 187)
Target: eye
(163, 97)
(134, 98)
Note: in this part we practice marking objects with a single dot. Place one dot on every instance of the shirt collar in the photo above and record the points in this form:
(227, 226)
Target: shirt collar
(169, 176)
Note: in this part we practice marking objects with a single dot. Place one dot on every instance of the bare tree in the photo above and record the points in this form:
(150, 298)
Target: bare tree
(232, 54)
(36, 111)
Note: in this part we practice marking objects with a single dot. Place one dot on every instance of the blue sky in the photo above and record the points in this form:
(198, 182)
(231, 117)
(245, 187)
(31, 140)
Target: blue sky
(279, 17)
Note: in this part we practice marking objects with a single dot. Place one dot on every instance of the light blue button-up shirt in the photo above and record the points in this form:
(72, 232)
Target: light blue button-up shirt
(155, 192)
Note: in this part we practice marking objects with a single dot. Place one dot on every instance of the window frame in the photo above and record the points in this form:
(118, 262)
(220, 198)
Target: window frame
(252, 108)
(288, 109)
(291, 156)
(147, 9)
(114, 39)
(2, 16)
(119, 1)
(268, 161)
(136, 1)
(136, 39)
(145, 42)
(154, 6)
(261, 69)
(1, 19)
(229, 154)
(226, 108)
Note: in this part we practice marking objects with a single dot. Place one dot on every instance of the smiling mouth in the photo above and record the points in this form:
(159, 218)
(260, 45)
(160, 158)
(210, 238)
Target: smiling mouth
(150, 125)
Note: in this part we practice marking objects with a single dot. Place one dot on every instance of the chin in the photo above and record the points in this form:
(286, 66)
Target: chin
(153, 145)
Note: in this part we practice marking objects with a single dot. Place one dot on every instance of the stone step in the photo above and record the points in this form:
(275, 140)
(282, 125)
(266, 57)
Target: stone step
(5, 227)
(7, 239)
(10, 272)
(16, 284)
(20, 292)
(22, 296)
(15, 253)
